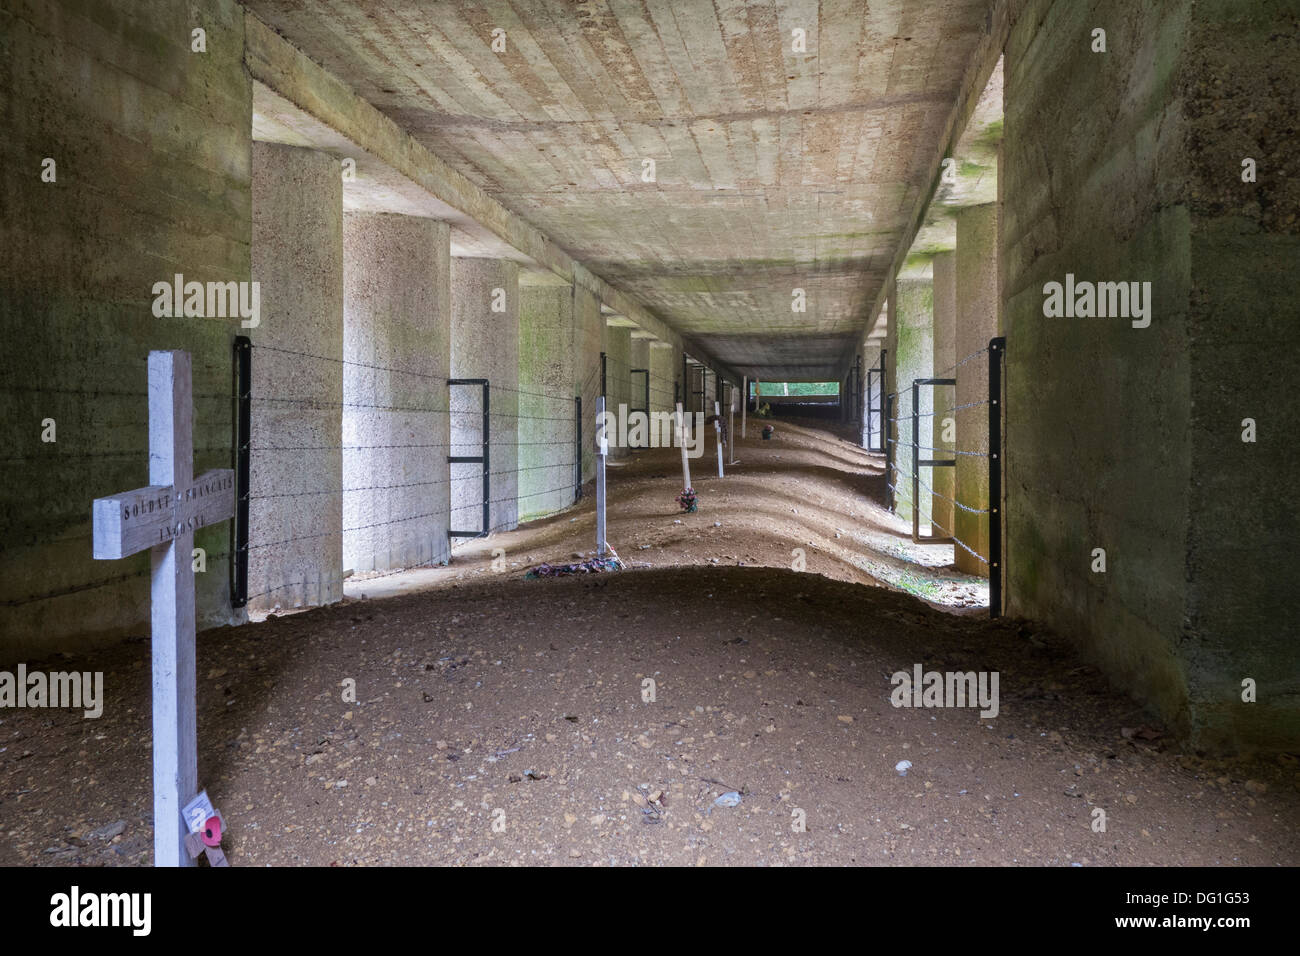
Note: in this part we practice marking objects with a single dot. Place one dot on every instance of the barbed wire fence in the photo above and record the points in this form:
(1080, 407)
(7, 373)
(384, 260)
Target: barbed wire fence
(905, 416)
(110, 404)
(443, 447)
(338, 457)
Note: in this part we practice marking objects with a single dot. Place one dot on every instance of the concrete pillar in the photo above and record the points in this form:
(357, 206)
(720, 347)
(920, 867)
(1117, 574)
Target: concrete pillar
(547, 450)
(914, 315)
(943, 396)
(485, 344)
(710, 390)
(618, 356)
(588, 332)
(295, 553)
(977, 322)
(889, 415)
(871, 397)
(640, 358)
(395, 322)
(662, 376)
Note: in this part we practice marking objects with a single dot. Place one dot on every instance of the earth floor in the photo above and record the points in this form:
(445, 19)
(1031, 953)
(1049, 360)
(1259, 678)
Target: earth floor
(502, 720)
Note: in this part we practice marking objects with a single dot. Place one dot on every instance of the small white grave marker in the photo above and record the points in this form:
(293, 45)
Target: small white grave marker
(163, 517)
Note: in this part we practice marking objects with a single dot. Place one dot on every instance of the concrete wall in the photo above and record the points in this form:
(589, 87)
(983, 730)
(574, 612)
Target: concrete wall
(978, 314)
(1239, 82)
(1098, 412)
(913, 322)
(1128, 439)
(485, 344)
(295, 512)
(547, 464)
(86, 85)
(395, 341)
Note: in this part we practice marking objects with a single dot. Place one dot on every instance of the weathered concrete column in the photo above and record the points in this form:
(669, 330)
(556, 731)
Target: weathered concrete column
(943, 425)
(618, 396)
(871, 398)
(977, 322)
(485, 344)
(588, 336)
(547, 469)
(889, 414)
(295, 553)
(662, 376)
(640, 358)
(914, 326)
(395, 342)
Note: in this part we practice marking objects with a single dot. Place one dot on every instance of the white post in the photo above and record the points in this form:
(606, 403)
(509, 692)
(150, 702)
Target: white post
(731, 426)
(681, 440)
(744, 405)
(717, 431)
(602, 448)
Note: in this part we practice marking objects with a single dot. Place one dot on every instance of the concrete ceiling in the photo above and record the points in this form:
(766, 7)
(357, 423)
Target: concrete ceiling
(774, 170)
(974, 180)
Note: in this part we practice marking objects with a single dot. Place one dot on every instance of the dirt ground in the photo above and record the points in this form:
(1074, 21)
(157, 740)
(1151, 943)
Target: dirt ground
(499, 720)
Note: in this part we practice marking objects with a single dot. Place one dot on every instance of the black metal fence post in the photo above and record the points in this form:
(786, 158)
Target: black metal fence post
(487, 464)
(997, 559)
(243, 348)
(916, 471)
(577, 450)
(857, 390)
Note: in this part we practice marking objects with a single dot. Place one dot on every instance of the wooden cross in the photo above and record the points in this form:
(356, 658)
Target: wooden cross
(164, 517)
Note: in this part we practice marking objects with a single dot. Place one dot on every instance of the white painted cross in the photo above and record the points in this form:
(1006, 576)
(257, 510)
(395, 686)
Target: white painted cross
(163, 517)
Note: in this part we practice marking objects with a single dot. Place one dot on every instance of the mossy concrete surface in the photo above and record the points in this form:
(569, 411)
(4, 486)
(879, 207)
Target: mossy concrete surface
(1126, 166)
(105, 90)
(913, 321)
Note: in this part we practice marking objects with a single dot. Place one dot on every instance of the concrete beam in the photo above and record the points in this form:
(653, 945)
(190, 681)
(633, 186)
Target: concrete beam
(293, 77)
(982, 63)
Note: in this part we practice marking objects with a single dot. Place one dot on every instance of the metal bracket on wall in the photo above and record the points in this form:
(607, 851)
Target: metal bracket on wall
(918, 463)
(997, 556)
(577, 451)
(483, 459)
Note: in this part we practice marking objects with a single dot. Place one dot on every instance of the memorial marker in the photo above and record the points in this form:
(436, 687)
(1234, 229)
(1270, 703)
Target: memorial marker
(163, 517)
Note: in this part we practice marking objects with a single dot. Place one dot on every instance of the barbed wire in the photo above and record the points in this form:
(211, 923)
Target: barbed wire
(930, 518)
(951, 451)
